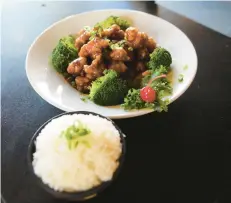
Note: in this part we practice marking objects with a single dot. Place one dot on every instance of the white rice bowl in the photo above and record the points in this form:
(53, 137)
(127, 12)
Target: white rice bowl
(81, 168)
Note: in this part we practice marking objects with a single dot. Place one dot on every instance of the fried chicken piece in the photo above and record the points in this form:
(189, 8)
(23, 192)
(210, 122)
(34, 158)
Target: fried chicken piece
(140, 66)
(119, 54)
(97, 72)
(118, 66)
(82, 39)
(118, 35)
(76, 66)
(82, 73)
(96, 68)
(114, 32)
(111, 30)
(82, 84)
(93, 48)
(142, 53)
(106, 55)
(135, 38)
(80, 33)
(131, 33)
(130, 53)
(150, 44)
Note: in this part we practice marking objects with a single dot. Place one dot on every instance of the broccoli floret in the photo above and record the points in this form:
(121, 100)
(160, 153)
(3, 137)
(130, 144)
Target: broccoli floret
(63, 54)
(159, 56)
(108, 90)
(124, 24)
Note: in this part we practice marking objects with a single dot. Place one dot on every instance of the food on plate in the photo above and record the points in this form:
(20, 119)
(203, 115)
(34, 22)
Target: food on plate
(114, 20)
(63, 54)
(155, 87)
(181, 78)
(116, 64)
(108, 89)
(73, 154)
(160, 56)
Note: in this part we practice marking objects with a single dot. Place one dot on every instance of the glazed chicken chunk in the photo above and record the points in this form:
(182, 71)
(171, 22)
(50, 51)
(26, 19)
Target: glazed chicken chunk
(125, 51)
(135, 38)
(93, 48)
(140, 67)
(96, 68)
(142, 53)
(119, 54)
(82, 39)
(114, 32)
(150, 44)
(82, 84)
(118, 66)
(76, 66)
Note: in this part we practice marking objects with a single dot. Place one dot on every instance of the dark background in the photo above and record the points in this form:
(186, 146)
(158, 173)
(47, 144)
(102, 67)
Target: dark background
(180, 156)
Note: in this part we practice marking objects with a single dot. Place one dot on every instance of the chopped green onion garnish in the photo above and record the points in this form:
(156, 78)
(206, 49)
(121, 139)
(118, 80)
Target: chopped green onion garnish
(74, 134)
(87, 28)
(130, 49)
(180, 78)
(84, 99)
(185, 67)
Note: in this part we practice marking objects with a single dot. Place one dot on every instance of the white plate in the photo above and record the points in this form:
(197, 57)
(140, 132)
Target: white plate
(52, 87)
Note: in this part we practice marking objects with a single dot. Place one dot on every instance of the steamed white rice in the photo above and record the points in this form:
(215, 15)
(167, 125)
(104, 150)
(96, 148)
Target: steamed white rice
(81, 168)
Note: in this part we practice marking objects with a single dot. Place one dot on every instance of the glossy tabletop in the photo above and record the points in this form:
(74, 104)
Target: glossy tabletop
(180, 156)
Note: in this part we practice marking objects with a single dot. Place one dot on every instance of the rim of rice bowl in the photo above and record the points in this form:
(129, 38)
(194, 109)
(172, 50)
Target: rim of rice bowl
(77, 152)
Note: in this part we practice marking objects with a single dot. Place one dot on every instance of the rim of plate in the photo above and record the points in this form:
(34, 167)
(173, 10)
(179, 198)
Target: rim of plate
(125, 114)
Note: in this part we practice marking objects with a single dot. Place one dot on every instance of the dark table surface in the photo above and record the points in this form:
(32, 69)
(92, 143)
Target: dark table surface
(180, 156)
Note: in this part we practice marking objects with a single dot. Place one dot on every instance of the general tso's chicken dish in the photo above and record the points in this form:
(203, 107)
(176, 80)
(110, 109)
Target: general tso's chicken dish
(115, 63)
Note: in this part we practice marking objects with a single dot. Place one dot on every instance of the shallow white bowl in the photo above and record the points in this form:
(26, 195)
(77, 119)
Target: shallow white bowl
(53, 88)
